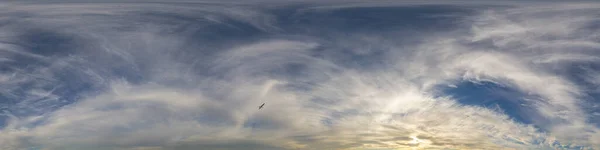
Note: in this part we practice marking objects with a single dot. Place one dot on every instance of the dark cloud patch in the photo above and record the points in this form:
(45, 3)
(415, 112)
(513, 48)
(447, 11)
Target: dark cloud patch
(219, 145)
(216, 116)
(373, 19)
(47, 42)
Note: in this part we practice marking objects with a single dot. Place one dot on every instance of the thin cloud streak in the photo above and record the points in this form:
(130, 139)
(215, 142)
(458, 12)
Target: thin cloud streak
(153, 87)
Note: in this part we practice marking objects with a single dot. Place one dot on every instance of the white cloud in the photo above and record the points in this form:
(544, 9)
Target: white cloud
(322, 104)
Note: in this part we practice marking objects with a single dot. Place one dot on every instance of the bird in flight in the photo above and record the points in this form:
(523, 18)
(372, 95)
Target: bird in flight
(261, 106)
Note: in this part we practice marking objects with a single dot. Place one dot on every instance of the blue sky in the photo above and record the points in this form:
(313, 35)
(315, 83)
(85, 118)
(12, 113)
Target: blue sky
(332, 75)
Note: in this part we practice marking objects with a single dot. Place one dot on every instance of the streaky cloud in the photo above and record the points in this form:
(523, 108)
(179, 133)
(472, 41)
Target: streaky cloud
(188, 75)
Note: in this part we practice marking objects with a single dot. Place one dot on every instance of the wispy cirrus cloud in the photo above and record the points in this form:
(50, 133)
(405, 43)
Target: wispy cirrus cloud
(157, 76)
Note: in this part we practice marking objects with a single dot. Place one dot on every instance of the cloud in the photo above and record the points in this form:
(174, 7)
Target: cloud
(528, 32)
(154, 76)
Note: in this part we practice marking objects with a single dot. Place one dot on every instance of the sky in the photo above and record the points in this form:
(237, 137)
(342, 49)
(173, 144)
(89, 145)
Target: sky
(356, 75)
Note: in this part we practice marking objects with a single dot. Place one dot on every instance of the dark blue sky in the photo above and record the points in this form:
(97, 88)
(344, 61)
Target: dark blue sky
(333, 75)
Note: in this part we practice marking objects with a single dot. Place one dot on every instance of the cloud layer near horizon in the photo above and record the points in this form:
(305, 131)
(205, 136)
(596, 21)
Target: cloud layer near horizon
(174, 76)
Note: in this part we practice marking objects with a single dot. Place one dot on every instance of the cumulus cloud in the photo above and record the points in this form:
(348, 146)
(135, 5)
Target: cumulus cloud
(171, 76)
